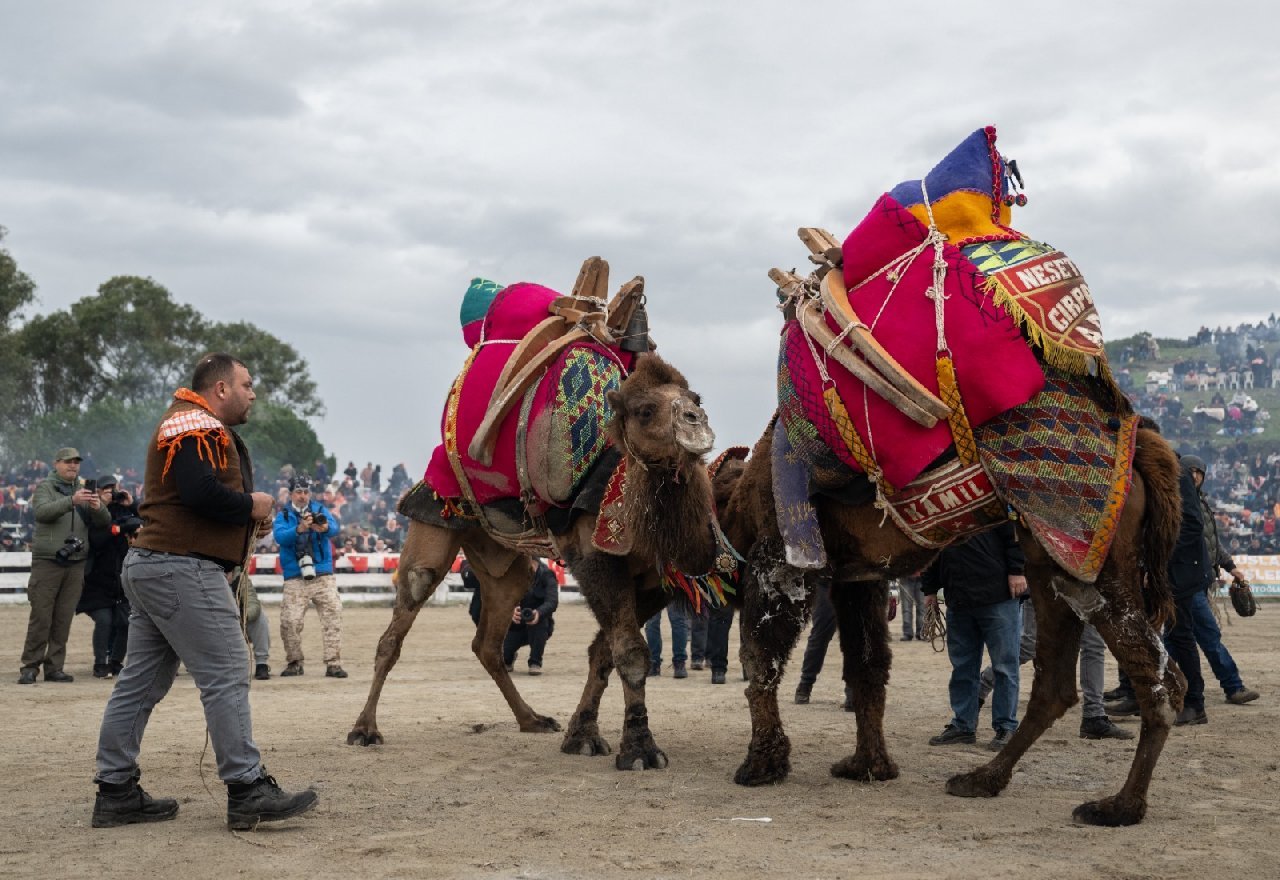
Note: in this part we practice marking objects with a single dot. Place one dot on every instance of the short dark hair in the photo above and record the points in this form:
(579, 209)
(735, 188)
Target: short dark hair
(214, 368)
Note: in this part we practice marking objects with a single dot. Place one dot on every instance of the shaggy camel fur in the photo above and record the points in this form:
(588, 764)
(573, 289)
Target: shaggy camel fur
(1127, 605)
(662, 433)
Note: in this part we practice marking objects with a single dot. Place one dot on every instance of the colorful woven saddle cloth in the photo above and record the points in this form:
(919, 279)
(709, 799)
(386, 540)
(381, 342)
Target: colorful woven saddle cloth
(545, 447)
(1066, 465)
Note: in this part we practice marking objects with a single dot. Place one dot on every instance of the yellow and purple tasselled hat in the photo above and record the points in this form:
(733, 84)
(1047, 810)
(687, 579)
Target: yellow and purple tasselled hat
(475, 304)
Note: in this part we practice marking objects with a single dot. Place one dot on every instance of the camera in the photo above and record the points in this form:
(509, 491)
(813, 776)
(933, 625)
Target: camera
(318, 519)
(119, 497)
(526, 615)
(127, 526)
(71, 545)
(307, 565)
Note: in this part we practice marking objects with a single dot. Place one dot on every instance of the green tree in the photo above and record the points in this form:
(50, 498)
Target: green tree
(17, 291)
(98, 374)
(277, 436)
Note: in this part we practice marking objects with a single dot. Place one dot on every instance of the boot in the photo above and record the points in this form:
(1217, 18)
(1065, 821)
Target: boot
(655, 669)
(1242, 696)
(125, 803)
(249, 803)
(27, 675)
(262, 672)
(803, 690)
(334, 671)
(1103, 727)
(294, 668)
(101, 670)
(679, 670)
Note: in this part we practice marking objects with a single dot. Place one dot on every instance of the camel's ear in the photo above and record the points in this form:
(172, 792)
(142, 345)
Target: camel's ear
(615, 401)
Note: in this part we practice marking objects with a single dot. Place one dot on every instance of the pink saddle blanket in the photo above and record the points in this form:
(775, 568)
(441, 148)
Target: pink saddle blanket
(564, 421)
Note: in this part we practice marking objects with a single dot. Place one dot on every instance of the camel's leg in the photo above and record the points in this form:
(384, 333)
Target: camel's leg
(583, 736)
(611, 591)
(1159, 688)
(864, 641)
(428, 553)
(499, 595)
(1053, 691)
(775, 606)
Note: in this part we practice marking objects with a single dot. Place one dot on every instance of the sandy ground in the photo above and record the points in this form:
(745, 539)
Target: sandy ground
(458, 791)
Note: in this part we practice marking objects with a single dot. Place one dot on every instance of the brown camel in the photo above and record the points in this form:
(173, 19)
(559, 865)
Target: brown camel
(1126, 604)
(662, 433)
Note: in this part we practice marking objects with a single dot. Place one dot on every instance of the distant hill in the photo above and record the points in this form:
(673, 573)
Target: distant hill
(1229, 347)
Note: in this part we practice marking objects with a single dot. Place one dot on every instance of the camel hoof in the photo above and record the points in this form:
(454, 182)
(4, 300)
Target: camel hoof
(540, 724)
(768, 761)
(976, 783)
(359, 737)
(587, 745)
(654, 759)
(1109, 813)
(862, 770)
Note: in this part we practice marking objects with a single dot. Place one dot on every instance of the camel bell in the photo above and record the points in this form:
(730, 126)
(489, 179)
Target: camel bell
(636, 339)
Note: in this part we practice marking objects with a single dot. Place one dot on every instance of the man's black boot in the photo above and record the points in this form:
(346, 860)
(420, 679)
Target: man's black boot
(125, 803)
(262, 800)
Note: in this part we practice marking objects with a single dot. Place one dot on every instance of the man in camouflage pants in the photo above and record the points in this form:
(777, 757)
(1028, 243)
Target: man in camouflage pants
(302, 531)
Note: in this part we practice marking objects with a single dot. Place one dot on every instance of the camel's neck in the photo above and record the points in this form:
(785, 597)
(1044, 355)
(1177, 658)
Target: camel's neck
(668, 515)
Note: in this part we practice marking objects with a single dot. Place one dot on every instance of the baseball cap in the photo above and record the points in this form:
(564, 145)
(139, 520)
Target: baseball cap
(106, 481)
(68, 453)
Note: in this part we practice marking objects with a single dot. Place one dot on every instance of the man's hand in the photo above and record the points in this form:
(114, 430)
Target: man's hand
(262, 505)
(85, 496)
(322, 528)
(931, 600)
(1017, 585)
(1237, 575)
(517, 618)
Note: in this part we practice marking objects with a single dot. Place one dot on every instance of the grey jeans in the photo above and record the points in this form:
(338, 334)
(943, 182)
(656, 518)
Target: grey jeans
(183, 610)
(1093, 655)
(260, 637)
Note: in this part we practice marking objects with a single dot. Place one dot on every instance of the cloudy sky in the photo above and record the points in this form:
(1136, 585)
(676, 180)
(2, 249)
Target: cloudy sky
(337, 171)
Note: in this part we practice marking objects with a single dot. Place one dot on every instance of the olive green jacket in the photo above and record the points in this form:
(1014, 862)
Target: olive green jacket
(56, 518)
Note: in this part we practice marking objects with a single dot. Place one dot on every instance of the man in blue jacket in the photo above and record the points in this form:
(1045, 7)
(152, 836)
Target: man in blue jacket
(984, 584)
(302, 530)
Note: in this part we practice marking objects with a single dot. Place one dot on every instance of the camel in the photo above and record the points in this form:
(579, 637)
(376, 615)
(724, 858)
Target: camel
(1127, 603)
(661, 431)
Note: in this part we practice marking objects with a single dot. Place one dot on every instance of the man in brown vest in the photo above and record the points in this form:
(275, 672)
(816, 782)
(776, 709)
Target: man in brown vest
(200, 514)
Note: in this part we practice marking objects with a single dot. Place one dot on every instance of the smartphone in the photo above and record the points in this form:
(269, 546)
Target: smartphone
(91, 485)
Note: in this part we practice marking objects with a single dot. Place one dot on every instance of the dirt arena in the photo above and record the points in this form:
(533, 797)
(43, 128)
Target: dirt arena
(459, 792)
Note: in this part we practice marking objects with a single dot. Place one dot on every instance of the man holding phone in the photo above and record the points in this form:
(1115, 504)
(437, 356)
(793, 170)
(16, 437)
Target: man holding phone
(64, 511)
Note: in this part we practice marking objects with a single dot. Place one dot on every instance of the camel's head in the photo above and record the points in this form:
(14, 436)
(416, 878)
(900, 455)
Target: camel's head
(656, 418)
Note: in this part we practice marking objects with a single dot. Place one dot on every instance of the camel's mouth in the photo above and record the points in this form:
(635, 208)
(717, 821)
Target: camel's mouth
(689, 424)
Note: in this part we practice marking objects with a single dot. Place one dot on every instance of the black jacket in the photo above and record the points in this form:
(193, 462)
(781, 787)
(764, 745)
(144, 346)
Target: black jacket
(1190, 566)
(102, 588)
(976, 572)
(543, 594)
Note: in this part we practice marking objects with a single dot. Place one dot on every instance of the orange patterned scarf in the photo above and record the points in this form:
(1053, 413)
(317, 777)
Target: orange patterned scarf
(211, 436)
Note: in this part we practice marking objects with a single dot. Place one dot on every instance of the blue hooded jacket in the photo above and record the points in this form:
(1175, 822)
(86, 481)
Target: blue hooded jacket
(286, 532)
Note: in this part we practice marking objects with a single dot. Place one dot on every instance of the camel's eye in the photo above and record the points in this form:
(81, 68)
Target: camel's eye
(645, 411)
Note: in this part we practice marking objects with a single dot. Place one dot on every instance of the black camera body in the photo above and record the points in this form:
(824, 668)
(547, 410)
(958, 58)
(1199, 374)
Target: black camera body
(526, 615)
(119, 497)
(71, 545)
(318, 519)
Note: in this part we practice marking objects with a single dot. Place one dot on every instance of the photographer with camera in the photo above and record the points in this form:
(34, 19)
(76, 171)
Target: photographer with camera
(103, 598)
(533, 620)
(303, 529)
(64, 512)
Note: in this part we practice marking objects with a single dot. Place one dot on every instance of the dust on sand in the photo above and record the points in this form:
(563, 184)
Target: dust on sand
(458, 791)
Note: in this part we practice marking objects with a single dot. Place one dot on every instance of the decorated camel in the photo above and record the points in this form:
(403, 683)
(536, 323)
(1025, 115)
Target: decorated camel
(564, 436)
(939, 372)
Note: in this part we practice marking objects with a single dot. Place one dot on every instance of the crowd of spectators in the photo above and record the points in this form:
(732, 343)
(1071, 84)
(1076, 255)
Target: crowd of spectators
(364, 502)
(1198, 403)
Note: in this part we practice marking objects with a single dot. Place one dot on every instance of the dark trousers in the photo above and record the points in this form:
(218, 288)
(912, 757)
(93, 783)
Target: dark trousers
(824, 627)
(719, 623)
(698, 626)
(534, 635)
(110, 633)
(1180, 642)
(53, 592)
